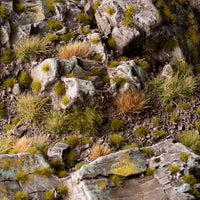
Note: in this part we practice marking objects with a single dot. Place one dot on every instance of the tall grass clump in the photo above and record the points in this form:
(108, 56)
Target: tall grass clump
(30, 47)
(87, 121)
(78, 49)
(32, 108)
(132, 101)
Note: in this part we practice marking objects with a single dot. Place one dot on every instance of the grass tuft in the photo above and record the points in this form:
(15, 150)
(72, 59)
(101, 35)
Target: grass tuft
(85, 30)
(65, 100)
(83, 19)
(96, 5)
(95, 40)
(132, 101)
(116, 140)
(54, 25)
(50, 5)
(98, 151)
(111, 43)
(8, 56)
(157, 121)
(2, 110)
(21, 196)
(113, 64)
(148, 151)
(4, 13)
(63, 190)
(128, 21)
(67, 37)
(78, 49)
(184, 157)
(60, 89)
(190, 179)
(110, 11)
(36, 86)
(73, 141)
(46, 68)
(150, 172)
(117, 124)
(79, 165)
(130, 146)
(174, 169)
(120, 81)
(160, 133)
(49, 195)
(175, 118)
(9, 83)
(47, 172)
(25, 80)
(197, 126)
(142, 131)
(116, 180)
(71, 158)
(51, 37)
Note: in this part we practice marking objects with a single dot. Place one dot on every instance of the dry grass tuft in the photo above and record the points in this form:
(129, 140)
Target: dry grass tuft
(132, 101)
(78, 49)
(98, 151)
(22, 145)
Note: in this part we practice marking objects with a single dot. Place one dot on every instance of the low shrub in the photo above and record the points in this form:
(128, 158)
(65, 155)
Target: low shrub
(116, 140)
(73, 141)
(56, 122)
(174, 169)
(98, 151)
(142, 131)
(8, 56)
(9, 83)
(54, 25)
(117, 124)
(86, 122)
(78, 49)
(132, 101)
(30, 47)
(116, 179)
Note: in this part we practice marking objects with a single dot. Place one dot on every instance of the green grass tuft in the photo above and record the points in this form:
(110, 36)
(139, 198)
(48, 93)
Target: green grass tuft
(171, 44)
(19, 8)
(144, 65)
(60, 89)
(157, 121)
(96, 5)
(148, 151)
(111, 43)
(36, 86)
(150, 172)
(49, 195)
(169, 108)
(184, 157)
(46, 68)
(128, 21)
(71, 158)
(67, 37)
(120, 81)
(160, 133)
(197, 126)
(85, 30)
(63, 190)
(79, 165)
(130, 146)
(110, 11)
(73, 141)
(21, 176)
(47, 172)
(4, 13)
(21, 196)
(117, 124)
(174, 169)
(50, 5)
(83, 19)
(184, 106)
(65, 100)
(25, 80)
(9, 83)
(8, 56)
(116, 179)
(2, 110)
(175, 118)
(116, 140)
(198, 111)
(51, 37)
(190, 179)
(55, 25)
(113, 64)
(142, 131)
(95, 40)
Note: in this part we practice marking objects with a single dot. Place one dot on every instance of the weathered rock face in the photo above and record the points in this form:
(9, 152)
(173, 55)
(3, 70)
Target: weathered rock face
(34, 185)
(91, 182)
(144, 18)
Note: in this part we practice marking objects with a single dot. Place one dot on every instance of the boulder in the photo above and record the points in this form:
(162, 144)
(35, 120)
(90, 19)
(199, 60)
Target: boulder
(6, 31)
(144, 19)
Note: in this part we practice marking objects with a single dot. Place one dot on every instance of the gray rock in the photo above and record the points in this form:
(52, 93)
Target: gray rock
(57, 152)
(167, 71)
(6, 31)
(16, 89)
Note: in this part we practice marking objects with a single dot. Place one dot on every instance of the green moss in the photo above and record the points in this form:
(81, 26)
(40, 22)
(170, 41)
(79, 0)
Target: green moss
(157, 121)
(8, 56)
(110, 11)
(9, 82)
(73, 141)
(67, 37)
(49, 195)
(95, 40)
(150, 172)
(21, 176)
(25, 80)
(21, 196)
(169, 108)
(120, 81)
(86, 122)
(47, 172)
(56, 122)
(116, 140)
(148, 151)
(152, 46)
(50, 5)
(116, 180)
(130, 146)
(96, 5)
(2, 110)
(65, 100)
(84, 19)
(71, 158)
(198, 111)
(184, 106)
(63, 190)
(184, 157)
(160, 133)
(142, 131)
(55, 25)
(175, 118)
(111, 43)
(174, 169)
(19, 8)
(85, 30)
(197, 126)
(144, 65)
(171, 44)
(51, 37)
(36, 86)
(4, 13)
(113, 64)
(190, 179)
(46, 68)
(117, 124)
(59, 89)
(128, 21)
(8, 127)
(98, 57)
(79, 165)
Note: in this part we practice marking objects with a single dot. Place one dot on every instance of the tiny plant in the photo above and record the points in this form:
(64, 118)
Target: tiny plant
(144, 65)
(116, 124)
(21, 196)
(190, 179)
(157, 121)
(175, 118)
(184, 157)
(20, 8)
(123, 58)
(84, 19)
(148, 151)
(50, 5)
(21, 176)
(171, 44)
(116, 140)
(113, 64)
(142, 131)
(128, 21)
(184, 106)
(98, 57)
(67, 37)
(198, 111)
(47, 172)
(49, 195)
(169, 108)
(25, 80)
(98, 151)
(46, 68)
(9, 83)
(160, 133)
(8, 56)
(197, 126)
(55, 25)
(96, 5)
(150, 172)
(36, 86)
(51, 37)
(73, 141)
(120, 81)
(116, 179)
(79, 165)
(130, 146)
(8, 127)
(71, 158)
(95, 40)
(85, 30)
(2, 110)
(110, 11)
(174, 169)
(4, 13)
(59, 89)
(63, 190)
(111, 43)
(65, 100)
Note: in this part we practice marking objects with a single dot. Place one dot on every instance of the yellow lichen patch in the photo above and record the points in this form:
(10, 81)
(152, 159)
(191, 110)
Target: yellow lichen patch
(36, 11)
(102, 184)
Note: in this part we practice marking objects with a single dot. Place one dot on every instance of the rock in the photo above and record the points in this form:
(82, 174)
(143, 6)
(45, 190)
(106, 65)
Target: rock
(34, 185)
(16, 89)
(144, 20)
(167, 71)
(57, 152)
(133, 75)
(177, 55)
(6, 31)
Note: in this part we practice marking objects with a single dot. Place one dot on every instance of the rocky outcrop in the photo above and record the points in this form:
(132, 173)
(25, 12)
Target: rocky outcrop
(91, 182)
